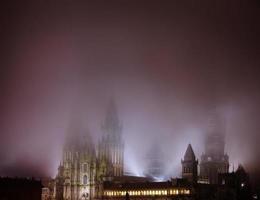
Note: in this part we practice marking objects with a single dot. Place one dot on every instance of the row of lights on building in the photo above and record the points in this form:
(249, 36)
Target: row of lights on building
(147, 192)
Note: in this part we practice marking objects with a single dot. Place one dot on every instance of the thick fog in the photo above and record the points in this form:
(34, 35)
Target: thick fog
(165, 65)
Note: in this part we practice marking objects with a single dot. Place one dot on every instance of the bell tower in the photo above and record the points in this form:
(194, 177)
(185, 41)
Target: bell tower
(190, 165)
(214, 161)
(111, 146)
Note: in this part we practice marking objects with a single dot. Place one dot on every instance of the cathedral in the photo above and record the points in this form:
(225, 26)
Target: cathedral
(96, 172)
(82, 169)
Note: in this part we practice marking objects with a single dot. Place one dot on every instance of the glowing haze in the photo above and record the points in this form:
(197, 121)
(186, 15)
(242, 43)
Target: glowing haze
(165, 64)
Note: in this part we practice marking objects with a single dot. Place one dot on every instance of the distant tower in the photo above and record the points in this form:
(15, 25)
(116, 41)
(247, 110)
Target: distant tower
(111, 146)
(214, 161)
(190, 165)
(155, 161)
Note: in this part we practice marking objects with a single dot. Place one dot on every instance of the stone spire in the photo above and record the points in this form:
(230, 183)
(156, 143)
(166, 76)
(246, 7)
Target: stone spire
(190, 165)
(111, 145)
(189, 154)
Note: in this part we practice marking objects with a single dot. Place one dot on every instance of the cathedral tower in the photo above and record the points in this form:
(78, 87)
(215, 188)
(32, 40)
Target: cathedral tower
(214, 161)
(111, 146)
(190, 165)
(76, 177)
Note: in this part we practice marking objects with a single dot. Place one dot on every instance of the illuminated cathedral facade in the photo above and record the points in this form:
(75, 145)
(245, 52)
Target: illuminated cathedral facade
(83, 167)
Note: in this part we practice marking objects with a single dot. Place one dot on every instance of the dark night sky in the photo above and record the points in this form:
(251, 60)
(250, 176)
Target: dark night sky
(164, 63)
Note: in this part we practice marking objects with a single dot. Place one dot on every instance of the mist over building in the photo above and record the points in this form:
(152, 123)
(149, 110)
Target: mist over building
(89, 171)
(165, 63)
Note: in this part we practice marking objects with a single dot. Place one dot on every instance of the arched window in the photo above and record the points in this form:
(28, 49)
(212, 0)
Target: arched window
(85, 180)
